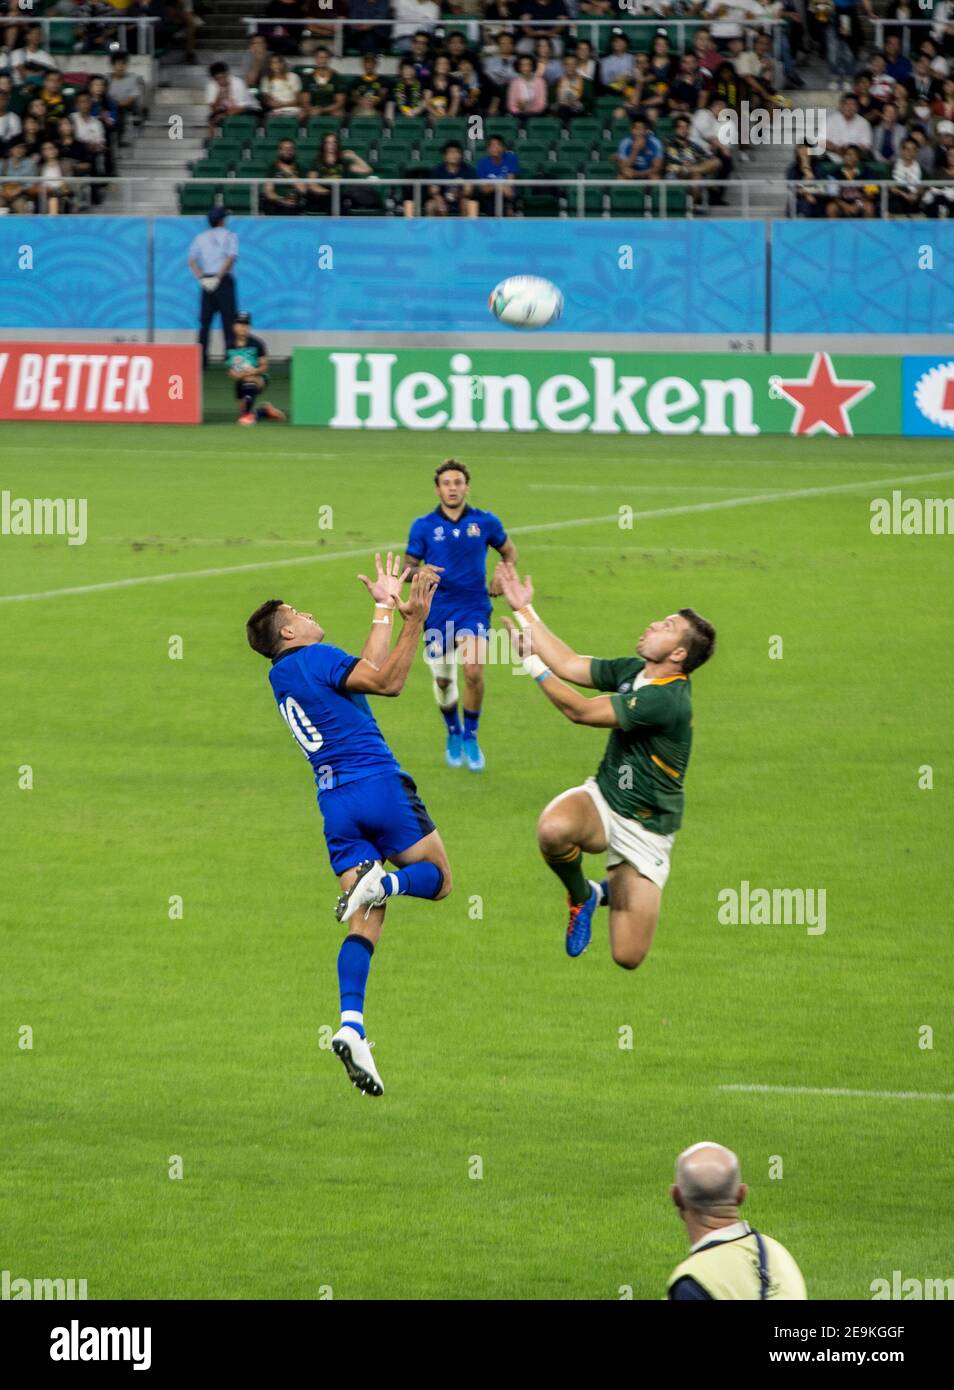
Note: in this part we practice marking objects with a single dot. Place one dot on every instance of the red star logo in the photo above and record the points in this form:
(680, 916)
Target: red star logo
(821, 401)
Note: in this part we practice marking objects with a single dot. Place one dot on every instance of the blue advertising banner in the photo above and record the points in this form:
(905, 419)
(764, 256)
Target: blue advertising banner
(863, 277)
(74, 272)
(360, 274)
(927, 396)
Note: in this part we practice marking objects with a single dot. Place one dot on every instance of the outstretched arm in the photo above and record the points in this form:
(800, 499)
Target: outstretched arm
(562, 660)
(388, 679)
(598, 712)
(385, 590)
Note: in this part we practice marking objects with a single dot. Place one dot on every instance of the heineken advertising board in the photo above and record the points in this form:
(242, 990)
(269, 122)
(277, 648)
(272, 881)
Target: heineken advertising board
(597, 392)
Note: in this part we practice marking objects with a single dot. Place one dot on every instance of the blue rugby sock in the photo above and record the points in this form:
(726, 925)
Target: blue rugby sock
(452, 720)
(354, 963)
(416, 881)
(471, 720)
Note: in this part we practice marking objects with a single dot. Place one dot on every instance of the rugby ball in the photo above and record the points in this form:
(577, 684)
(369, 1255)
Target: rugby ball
(526, 301)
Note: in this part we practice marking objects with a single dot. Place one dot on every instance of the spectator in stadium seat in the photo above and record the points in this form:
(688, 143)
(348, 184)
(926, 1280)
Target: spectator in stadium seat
(212, 255)
(105, 109)
(10, 124)
(51, 94)
(571, 95)
(455, 46)
(942, 107)
(371, 35)
(867, 106)
(942, 31)
(407, 92)
(843, 37)
(586, 64)
(127, 90)
(544, 53)
(938, 200)
(226, 95)
(618, 63)
(549, 20)
(944, 135)
(888, 135)
(470, 87)
(34, 133)
(283, 195)
(31, 60)
(18, 174)
(500, 68)
(923, 85)
(854, 199)
(333, 163)
(527, 93)
(55, 195)
(422, 57)
(88, 38)
(319, 13)
(706, 131)
(412, 16)
(705, 50)
(70, 148)
(640, 154)
(904, 199)
(846, 128)
(369, 91)
(280, 91)
(805, 171)
(759, 72)
(689, 87)
(281, 35)
(685, 159)
(728, 17)
(882, 83)
(325, 91)
(499, 166)
(898, 66)
(90, 131)
(442, 97)
(255, 61)
(451, 200)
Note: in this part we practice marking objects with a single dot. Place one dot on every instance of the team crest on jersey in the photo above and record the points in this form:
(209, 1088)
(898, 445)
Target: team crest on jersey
(473, 529)
(626, 687)
(438, 533)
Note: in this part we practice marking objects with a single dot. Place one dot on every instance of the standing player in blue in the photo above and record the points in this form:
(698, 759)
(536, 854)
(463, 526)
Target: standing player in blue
(454, 538)
(370, 806)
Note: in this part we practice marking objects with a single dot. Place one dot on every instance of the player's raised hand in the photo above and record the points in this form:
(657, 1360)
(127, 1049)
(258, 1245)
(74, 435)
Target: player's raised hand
(518, 592)
(386, 586)
(418, 603)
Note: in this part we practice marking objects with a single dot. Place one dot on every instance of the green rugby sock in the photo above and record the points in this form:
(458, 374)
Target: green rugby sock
(569, 870)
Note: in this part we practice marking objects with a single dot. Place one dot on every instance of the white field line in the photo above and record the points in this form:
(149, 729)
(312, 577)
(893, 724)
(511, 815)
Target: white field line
(841, 1091)
(754, 499)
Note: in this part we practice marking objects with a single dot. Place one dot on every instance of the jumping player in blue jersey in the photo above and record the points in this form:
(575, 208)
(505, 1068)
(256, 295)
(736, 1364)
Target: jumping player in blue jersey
(454, 538)
(370, 806)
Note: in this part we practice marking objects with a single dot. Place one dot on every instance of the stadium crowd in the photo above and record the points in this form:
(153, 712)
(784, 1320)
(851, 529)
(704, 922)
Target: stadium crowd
(486, 96)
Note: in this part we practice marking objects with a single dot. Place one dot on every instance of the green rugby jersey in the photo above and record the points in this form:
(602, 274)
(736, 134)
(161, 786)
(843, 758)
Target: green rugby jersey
(644, 766)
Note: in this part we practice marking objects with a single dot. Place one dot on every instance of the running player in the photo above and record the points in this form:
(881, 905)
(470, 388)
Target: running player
(247, 363)
(454, 538)
(633, 806)
(370, 806)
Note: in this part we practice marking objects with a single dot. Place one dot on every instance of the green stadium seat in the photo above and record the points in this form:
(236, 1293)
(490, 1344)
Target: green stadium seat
(587, 128)
(546, 128)
(366, 127)
(241, 128)
(211, 169)
(194, 199)
(238, 199)
(542, 203)
(563, 169)
(281, 128)
(533, 150)
(600, 169)
(322, 125)
(604, 106)
(402, 124)
(451, 128)
(663, 128)
(575, 152)
(507, 127)
(631, 200)
(596, 202)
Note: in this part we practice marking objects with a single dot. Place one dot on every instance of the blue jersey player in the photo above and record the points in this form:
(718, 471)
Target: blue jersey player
(370, 806)
(454, 538)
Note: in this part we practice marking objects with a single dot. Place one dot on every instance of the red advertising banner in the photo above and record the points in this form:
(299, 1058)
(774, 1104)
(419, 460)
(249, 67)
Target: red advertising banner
(128, 383)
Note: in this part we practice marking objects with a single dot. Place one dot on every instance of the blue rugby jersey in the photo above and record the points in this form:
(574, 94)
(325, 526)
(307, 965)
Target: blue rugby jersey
(460, 548)
(334, 727)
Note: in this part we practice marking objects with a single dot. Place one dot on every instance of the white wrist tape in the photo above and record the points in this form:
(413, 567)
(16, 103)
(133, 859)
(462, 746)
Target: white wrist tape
(526, 615)
(535, 666)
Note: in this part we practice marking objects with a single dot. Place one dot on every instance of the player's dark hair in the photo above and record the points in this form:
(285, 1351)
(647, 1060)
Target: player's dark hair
(262, 628)
(700, 643)
(452, 466)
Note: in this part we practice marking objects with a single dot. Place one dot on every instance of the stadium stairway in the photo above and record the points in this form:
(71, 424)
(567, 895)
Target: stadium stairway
(157, 157)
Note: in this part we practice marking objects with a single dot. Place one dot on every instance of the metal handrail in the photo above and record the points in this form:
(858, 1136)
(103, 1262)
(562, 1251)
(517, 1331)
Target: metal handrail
(144, 26)
(580, 184)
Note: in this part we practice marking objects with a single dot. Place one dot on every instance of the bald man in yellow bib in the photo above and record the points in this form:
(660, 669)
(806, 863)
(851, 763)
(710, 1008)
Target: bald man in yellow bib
(727, 1257)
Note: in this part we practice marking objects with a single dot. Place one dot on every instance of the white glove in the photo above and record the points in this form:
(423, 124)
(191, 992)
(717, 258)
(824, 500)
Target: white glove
(210, 282)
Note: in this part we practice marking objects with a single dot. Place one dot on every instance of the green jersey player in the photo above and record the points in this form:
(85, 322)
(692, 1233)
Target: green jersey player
(633, 806)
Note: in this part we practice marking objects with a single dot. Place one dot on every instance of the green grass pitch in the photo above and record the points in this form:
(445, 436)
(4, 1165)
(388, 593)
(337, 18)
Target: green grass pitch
(199, 1037)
